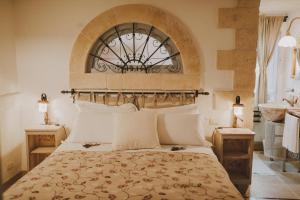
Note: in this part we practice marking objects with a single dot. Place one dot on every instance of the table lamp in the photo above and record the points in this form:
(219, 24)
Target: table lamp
(43, 107)
(238, 113)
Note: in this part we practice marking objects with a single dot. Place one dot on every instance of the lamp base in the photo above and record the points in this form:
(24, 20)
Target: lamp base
(237, 122)
(46, 118)
(234, 123)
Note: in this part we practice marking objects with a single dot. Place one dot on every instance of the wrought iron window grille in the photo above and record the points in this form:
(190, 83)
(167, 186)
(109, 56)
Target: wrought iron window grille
(134, 47)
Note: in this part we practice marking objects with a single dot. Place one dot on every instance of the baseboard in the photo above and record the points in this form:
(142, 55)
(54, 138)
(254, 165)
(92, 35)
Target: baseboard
(11, 181)
(258, 146)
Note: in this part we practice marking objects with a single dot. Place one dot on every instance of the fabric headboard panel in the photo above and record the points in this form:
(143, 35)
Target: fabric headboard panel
(142, 99)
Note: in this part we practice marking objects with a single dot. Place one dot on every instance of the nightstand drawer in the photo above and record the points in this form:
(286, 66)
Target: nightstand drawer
(40, 132)
(234, 149)
(237, 168)
(41, 142)
(43, 150)
(233, 146)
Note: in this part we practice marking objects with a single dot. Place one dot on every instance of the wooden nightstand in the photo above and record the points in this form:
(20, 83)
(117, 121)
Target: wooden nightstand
(234, 149)
(41, 142)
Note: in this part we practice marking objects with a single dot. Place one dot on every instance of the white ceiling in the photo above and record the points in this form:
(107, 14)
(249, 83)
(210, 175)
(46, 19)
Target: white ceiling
(279, 6)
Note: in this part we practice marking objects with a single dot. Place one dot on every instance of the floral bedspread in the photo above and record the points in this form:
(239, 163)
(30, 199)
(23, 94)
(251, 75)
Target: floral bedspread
(125, 175)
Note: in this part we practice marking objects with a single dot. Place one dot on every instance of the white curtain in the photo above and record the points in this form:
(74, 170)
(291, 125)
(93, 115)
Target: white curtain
(272, 75)
(268, 32)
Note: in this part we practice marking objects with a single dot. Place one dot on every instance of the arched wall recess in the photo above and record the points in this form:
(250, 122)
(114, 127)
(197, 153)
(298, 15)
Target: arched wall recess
(132, 48)
(167, 23)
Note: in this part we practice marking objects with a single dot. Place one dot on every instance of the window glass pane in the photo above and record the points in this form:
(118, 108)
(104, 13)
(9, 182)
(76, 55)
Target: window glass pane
(134, 47)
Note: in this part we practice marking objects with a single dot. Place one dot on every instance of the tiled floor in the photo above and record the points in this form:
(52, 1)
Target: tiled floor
(269, 182)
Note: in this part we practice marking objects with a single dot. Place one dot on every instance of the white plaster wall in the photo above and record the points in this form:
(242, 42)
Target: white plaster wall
(11, 137)
(8, 71)
(285, 82)
(46, 30)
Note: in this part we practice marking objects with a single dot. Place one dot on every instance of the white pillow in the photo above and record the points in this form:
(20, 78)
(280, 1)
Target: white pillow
(84, 106)
(94, 122)
(191, 109)
(92, 127)
(135, 130)
(182, 129)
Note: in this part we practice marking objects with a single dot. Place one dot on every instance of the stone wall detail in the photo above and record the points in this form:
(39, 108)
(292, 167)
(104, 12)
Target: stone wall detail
(165, 22)
(242, 59)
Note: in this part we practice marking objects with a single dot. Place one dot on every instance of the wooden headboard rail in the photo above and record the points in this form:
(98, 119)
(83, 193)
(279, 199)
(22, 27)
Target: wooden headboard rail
(73, 92)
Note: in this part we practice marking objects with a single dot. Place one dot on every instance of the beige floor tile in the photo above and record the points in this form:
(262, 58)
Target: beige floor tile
(266, 179)
(296, 189)
(290, 177)
(259, 190)
(269, 182)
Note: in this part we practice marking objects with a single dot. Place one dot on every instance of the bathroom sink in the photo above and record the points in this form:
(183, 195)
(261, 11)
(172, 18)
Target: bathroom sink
(275, 112)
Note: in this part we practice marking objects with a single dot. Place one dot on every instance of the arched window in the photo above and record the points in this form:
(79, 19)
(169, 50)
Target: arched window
(134, 47)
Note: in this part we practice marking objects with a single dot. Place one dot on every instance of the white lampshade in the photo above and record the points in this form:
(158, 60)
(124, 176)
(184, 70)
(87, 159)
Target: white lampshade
(287, 41)
(238, 110)
(43, 107)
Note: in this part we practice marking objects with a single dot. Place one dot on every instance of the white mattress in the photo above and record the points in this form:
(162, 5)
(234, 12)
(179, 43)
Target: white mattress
(68, 146)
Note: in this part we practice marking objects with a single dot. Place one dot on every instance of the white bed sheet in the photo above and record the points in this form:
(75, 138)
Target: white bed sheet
(68, 146)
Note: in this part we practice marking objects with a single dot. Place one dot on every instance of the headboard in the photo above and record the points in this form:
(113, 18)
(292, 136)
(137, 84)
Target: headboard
(141, 98)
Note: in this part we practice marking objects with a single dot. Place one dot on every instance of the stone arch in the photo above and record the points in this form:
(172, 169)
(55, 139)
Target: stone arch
(164, 21)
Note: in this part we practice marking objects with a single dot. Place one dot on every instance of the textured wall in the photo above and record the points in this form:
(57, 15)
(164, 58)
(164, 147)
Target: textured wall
(8, 69)
(242, 59)
(45, 33)
(10, 133)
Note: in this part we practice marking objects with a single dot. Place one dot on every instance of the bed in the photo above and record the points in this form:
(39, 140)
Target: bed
(75, 172)
(135, 162)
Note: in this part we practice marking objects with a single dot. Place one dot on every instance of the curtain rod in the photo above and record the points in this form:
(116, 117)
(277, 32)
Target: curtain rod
(128, 91)
(285, 18)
